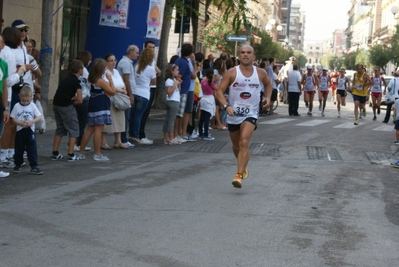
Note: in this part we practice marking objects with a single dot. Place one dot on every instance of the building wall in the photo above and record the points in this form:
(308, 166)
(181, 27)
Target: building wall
(30, 11)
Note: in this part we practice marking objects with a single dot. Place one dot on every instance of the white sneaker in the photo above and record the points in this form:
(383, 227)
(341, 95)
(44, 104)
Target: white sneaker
(146, 141)
(129, 145)
(77, 148)
(180, 139)
(339, 114)
(194, 135)
(4, 174)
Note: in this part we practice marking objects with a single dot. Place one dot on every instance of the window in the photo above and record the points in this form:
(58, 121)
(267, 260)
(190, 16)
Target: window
(317, 48)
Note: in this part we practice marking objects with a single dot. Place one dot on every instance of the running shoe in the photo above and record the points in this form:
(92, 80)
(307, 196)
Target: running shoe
(339, 114)
(378, 111)
(77, 148)
(36, 171)
(17, 169)
(310, 113)
(194, 135)
(80, 156)
(100, 158)
(57, 157)
(396, 142)
(180, 139)
(320, 106)
(208, 138)
(395, 165)
(322, 114)
(356, 122)
(237, 180)
(245, 174)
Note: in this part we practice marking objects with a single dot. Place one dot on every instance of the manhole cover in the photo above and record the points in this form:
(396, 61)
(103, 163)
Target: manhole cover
(323, 153)
(261, 149)
(381, 158)
(207, 146)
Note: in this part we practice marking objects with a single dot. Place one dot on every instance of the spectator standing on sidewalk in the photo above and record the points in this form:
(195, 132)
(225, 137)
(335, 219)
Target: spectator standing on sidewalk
(25, 114)
(153, 89)
(69, 93)
(4, 116)
(126, 70)
(99, 107)
(12, 39)
(172, 85)
(83, 108)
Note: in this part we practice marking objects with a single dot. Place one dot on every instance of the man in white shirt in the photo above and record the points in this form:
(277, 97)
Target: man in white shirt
(287, 69)
(294, 91)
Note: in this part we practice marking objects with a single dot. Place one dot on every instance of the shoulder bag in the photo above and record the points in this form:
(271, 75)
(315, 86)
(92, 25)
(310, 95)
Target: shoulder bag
(120, 101)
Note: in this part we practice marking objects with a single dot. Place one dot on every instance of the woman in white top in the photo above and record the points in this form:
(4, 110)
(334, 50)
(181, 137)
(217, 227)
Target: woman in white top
(12, 39)
(145, 76)
(117, 116)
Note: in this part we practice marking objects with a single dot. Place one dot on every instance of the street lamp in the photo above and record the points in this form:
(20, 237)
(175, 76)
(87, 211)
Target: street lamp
(394, 10)
(271, 26)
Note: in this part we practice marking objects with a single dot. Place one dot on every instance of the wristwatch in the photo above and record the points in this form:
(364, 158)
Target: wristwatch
(6, 108)
(225, 106)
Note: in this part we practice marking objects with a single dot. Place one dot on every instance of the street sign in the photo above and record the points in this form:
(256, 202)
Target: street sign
(233, 38)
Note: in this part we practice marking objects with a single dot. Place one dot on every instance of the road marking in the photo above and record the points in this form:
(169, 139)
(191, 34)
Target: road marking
(312, 123)
(346, 125)
(384, 128)
(276, 121)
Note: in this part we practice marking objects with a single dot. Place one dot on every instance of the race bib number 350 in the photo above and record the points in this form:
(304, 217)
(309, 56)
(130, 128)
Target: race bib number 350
(242, 110)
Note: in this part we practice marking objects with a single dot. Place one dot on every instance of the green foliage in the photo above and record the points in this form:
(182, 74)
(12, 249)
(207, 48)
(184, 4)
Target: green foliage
(379, 55)
(362, 57)
(394, 51)
(300, 59)
(350, 60)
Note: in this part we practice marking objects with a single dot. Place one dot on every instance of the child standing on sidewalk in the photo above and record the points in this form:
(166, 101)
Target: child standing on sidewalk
(68, 94)
(207, 105)
(172, 85)
(25, 114)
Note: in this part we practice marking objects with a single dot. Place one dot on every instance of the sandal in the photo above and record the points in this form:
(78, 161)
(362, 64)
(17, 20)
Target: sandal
(121, 146)
(105, 147)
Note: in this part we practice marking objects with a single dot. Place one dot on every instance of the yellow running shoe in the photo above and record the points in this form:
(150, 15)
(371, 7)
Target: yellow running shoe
(237, 180)
(245, 174)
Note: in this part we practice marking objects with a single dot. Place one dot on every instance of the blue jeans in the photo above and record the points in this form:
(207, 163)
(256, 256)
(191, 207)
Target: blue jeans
(127, 119)
(136, 113)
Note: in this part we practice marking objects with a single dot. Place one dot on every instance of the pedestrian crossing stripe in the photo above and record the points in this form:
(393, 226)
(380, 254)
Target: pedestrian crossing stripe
(276, 121)
(312, 123)
(384, 128)
(346, 125)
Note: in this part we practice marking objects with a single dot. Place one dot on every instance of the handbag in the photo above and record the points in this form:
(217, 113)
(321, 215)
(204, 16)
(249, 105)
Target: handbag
(120, 101)
(17, 87)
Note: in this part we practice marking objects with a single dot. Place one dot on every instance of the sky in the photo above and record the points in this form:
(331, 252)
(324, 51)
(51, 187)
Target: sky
(323, 17)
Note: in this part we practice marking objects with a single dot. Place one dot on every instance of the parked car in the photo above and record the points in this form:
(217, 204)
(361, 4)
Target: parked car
(387, 80)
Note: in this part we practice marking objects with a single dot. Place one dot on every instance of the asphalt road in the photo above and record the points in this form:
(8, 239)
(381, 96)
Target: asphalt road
(320, 193)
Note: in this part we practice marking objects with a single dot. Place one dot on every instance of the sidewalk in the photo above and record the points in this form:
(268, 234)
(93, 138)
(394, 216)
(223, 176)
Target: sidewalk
(50, 122)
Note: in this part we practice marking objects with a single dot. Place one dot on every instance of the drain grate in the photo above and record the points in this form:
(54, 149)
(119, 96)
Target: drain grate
(261, 149)
(323, 153)
(207, 146)
(380, 158)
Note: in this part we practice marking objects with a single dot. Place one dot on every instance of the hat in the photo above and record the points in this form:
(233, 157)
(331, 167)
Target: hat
(309, 67)
(324, 68)
(292, 58)
(19, 23)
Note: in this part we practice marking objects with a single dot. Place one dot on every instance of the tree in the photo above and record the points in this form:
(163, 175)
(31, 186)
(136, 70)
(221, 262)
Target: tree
(362, 57)
(47, 29)
(379, 55)
(350, 60)
(395, 47)
(300, 59)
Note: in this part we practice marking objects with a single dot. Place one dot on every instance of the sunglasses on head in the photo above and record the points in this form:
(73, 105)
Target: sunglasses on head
(23, 30)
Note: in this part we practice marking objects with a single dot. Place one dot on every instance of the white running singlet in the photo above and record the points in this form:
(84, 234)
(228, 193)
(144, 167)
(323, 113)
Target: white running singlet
(309, 83)
(323, 83)
(341, 83)
(244, 96)
(376, 85)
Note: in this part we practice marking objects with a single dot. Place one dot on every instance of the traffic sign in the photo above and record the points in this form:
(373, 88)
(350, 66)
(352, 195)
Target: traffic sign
(233, 38)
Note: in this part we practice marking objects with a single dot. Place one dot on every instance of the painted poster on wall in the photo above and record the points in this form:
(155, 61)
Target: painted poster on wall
(154, 19)
(114, 13)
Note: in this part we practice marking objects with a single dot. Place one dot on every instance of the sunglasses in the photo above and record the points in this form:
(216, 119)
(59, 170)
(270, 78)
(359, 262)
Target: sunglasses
(23, 30)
